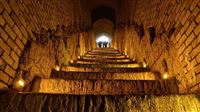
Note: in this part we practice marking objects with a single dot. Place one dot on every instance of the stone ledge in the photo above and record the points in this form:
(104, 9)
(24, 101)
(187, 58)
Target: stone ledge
(106, 87)
(104, 75)
(35, 102)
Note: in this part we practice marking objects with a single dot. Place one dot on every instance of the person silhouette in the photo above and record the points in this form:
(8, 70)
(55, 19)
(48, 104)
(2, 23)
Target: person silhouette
(99, 44)
(104, 44)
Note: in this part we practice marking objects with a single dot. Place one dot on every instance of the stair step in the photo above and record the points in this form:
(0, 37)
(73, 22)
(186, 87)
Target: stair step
(117, 70)
(114, 55)
(103, 75)
(107, 60)
(105, 49)
(105, 57)
(103, 52)
(134, 65)
(105, 87)
(42, 102)
(104, 62)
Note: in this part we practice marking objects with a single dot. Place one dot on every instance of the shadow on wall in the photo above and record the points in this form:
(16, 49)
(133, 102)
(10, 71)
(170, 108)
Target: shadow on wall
(49, 49)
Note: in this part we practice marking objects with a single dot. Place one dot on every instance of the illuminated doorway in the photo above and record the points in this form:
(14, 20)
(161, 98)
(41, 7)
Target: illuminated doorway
(103, 41)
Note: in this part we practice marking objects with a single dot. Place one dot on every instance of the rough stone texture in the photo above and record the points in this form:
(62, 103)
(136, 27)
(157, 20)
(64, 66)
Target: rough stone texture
(104, 75)
(40, 60)
(176, 25)
(16, 102)
(176, 39)
(106, 87)
(41, 56)
(19, 19)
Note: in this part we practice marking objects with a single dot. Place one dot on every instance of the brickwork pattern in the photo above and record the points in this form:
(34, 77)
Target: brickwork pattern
(20, 18)
(181, 48)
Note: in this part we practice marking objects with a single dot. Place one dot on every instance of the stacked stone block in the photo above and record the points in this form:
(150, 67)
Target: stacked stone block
(18, 20)
(177, 38)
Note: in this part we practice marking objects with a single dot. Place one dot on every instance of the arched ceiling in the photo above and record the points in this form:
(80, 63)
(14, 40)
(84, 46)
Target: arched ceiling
(108, 3)
(103, 12)
(103, 25)
(103, 9)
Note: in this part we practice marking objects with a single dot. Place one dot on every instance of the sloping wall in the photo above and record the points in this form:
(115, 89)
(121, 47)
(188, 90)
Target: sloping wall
(166, 35)
(20, 19)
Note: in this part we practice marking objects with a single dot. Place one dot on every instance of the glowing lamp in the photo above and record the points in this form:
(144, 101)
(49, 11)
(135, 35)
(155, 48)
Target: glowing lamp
(19, 83)
(79, 57)
(71, 61)
(144, 64)
(57, 68)
(165, 76)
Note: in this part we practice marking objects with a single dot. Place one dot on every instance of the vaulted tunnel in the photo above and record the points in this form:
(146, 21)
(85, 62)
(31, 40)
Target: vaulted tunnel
(99, 55)
(103, 12)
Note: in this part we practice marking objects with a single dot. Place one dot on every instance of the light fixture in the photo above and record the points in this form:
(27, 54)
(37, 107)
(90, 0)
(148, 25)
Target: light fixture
(165, 76)
(79, 57)
(57, 67)
(19, 83)
(144, 64)
(71, 61)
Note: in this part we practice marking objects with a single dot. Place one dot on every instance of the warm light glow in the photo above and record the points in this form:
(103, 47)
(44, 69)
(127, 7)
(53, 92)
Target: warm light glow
(103, 38)
(21, 83)
(79, 57)
(165, 76)
(144, 65)
(57, 68)
(71, 61)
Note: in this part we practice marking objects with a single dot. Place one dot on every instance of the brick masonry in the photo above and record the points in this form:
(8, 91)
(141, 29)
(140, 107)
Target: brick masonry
(19, 19)
(181, 48)
(176, 26)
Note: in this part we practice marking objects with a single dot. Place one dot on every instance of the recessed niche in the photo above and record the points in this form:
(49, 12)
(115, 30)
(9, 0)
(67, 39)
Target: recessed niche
(152, 33)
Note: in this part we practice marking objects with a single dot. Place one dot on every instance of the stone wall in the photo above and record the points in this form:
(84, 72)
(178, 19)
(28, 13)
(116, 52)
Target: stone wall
(19, 19)
(166, 35)
(50, 50)
(14, 102)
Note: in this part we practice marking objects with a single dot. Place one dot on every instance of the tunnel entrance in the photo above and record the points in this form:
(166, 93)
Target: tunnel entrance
(103, 40)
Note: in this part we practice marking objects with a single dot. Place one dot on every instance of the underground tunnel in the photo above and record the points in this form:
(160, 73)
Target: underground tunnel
(99, 56)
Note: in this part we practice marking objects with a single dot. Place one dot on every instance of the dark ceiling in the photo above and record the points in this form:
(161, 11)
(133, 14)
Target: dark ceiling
(103, 12)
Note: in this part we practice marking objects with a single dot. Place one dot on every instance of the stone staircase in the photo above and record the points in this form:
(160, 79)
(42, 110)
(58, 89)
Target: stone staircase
(105, 71)
(37, 102)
